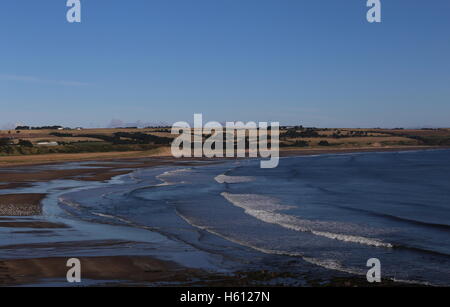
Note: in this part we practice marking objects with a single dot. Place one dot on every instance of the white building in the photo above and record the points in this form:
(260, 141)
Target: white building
(47, 143)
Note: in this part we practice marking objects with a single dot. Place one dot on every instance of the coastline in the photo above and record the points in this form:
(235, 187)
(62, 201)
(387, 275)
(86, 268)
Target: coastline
(144, 270)
(103, 167)
(164, 154)
(149, 271)
(130, 269)
(97, 270)
(46, 159)
(315, 151)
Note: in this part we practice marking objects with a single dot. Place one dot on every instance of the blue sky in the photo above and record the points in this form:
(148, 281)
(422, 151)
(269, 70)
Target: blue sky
(314, 62)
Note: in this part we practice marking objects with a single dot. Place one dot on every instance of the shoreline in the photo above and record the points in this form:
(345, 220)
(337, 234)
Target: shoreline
(103, 169)
(315, 151)
(49, 159)
(35, 271)
(164, 154)
(129, 269)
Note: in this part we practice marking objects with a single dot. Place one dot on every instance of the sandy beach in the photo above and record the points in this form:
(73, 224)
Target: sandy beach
(138, 269)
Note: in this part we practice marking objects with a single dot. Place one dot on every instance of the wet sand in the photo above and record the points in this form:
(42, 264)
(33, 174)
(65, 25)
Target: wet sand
(36, 225)
(14, 208)
(113, 268)
(15, 178)
(148, 271)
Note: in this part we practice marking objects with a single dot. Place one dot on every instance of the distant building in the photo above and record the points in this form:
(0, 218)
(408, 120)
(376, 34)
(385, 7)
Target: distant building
(47, 143)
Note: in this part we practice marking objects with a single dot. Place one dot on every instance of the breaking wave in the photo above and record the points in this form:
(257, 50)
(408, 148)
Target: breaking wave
(164, 177)
(233, 179)
(326, 263)
(264, 208)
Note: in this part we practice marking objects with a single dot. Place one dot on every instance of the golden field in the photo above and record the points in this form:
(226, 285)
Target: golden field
(103, 143)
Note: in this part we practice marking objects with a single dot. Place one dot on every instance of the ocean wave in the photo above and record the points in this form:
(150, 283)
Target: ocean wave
(233, 179)
(113, 217)
(164, 176)
(399, 218)
(69, 203)
(239, 242)
(264, 208)
(332, 264)
(325, 263)
(413, 282)
(255, 202)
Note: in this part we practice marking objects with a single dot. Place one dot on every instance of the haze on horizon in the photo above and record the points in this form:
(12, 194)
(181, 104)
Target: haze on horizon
(316, 63)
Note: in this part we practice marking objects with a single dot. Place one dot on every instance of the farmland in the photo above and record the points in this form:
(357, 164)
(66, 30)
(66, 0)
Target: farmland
(132, 142)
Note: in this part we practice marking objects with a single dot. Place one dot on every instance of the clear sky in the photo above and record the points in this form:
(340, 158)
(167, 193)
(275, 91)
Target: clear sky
(310, 62)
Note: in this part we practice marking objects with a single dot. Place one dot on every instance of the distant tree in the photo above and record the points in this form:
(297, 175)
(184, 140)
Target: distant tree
(25, 143)
(47, 128)
(22, 128)
(308, 133)
(4, 141)
(301, 144)
(61, 134)
(324, 143)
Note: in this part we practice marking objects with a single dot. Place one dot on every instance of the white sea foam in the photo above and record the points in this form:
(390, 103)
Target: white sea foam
(112, 217)
(326, 263)
(413, 282)
(255, 202)
(330, 264)
(69, 203)
(234, 240)
(168, 174)
(264, 208)
(233, 179)
(174, 172)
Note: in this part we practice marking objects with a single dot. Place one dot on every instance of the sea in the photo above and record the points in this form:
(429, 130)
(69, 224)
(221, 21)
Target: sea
(327, 213)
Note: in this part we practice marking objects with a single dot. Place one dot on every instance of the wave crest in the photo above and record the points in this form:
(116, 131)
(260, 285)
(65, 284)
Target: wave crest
(233, 179)
(264, 208)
